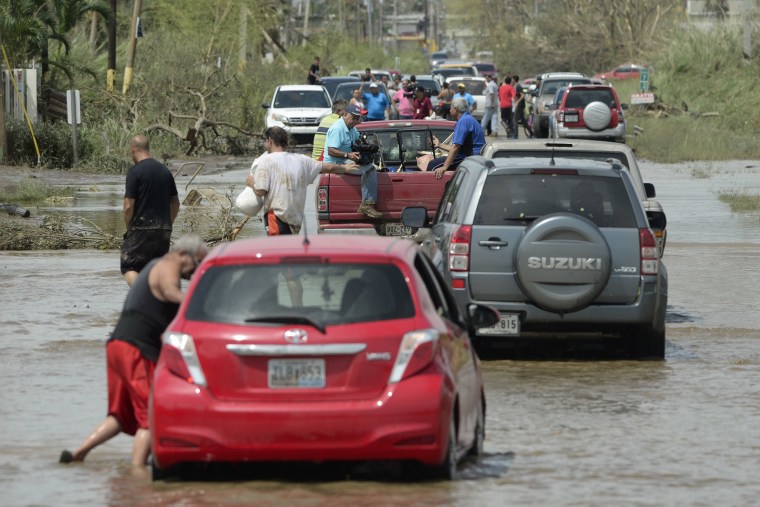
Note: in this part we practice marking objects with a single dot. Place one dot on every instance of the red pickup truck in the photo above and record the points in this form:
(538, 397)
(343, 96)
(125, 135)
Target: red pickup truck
(400, 183)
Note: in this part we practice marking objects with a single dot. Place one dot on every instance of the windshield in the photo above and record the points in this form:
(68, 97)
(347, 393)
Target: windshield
(301, 98)
(472, 87)
(332, 294)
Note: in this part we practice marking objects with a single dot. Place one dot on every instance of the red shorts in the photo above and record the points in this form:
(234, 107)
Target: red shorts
(130, 376)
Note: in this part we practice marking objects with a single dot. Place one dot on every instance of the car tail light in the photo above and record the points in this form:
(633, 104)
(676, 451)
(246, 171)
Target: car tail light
(459, 248)
(417, 350)
(649, 263)
(181, 359)
(322, 199)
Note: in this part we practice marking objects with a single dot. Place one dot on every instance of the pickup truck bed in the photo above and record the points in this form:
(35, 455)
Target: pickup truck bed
(339, 195)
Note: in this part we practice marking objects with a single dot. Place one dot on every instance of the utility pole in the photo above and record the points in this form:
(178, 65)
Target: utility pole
(3, 139)
(132, 47)
(747, 29)
(111, 73)
(307, 13)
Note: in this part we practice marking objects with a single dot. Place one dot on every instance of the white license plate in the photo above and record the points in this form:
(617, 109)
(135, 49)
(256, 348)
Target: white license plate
(284, 373)
(397, 230)
(508, 325)
(571, 117)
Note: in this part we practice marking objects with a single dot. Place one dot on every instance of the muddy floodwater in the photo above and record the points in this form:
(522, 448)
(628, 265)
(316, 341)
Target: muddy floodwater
(569, 430)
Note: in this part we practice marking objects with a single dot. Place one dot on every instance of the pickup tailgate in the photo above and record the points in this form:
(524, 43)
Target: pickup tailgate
(339, 195)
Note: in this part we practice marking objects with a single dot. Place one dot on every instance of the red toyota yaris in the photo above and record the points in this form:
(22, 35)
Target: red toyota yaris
(335, 348)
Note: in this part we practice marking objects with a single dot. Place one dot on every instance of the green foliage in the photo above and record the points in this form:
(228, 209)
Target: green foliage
(740, 201)
(33, 190)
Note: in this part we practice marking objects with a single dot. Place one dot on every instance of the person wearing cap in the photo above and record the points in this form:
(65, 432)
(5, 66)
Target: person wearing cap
(422, 105)
(462, 93)
(467, 140)
(377, 104)
(338, 149)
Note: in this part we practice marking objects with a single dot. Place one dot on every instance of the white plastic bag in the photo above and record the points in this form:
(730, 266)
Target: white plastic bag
(247, 201)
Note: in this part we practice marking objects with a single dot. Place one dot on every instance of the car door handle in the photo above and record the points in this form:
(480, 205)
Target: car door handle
(493, 243)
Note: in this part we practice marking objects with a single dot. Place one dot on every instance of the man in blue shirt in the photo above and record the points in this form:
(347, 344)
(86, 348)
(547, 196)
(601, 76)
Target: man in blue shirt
(377, 103)
(462, 93)
(468, 139)
(338, 150)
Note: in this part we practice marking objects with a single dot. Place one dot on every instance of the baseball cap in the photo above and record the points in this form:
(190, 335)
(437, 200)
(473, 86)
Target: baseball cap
(354, 109)
(461, 85)
(373, 85)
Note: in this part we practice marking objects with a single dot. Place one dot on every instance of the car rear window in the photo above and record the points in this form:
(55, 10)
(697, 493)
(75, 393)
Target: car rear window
(332, 293)
(509, 199)
(577, 154)
(551, 87)
(582, 98)
(414, 141)
(471, 87)
(302, 98)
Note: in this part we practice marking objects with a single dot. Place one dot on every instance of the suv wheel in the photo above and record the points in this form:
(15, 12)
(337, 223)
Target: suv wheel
(597, 116)
(563, 262)
(649, 343)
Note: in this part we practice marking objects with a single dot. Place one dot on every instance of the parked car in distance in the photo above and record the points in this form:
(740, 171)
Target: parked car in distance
(544, 94)
(486, 69)
(327, 349)
(346, 91)
(332, 82)
(588, 112)
(298, 109)
(378, 73)
(446, 71)
(625, 71)
(592, 150)
(475, 86)
(428, 81)
(561, 247)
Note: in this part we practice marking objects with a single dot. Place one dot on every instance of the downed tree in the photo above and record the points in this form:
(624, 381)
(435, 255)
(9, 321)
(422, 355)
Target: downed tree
(13, 209)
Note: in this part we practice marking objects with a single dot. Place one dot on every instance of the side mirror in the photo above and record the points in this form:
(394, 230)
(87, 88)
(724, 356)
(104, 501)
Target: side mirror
(649, 189)
(415, 217)
(624, 106)
(482, 316)
(266, 106)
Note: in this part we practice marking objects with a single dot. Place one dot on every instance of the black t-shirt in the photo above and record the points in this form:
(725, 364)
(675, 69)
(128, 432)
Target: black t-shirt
(313, 69)
(144, 318)
(152, 186)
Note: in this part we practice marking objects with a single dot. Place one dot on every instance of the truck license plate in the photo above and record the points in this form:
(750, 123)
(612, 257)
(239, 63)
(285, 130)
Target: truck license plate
(397, 230)
(285, 373)
(508, 325)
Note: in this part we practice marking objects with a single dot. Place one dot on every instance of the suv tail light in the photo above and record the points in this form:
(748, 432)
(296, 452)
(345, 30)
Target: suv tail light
(649, 263)
(417, 350)
(322, 199)
(181, 358)
(459, 248)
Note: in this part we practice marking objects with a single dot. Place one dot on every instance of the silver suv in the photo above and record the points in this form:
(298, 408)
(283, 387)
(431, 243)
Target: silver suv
(593, 150)
(558, 246)
(543, 97)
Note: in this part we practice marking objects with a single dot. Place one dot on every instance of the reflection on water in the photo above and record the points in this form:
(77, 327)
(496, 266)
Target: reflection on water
(585, 429)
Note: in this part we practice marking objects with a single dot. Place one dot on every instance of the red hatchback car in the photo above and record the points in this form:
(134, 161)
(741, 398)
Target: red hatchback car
(327, 349)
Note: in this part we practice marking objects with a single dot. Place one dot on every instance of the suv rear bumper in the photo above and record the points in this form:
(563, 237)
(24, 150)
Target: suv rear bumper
(648, 309)
(584, 133)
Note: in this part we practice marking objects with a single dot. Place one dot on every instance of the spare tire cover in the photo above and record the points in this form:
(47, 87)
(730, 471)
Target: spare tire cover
(597, 115)
(563, 262)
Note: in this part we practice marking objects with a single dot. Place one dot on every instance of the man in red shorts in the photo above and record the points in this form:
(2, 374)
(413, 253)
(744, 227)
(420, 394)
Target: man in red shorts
(133, 348)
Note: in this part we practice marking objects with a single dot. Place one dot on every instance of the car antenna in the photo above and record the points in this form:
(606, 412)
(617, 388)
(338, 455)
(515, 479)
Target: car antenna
(306, 241)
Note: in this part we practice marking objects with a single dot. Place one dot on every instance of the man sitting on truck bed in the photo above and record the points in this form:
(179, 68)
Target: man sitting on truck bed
(338, 150)
(468, 139)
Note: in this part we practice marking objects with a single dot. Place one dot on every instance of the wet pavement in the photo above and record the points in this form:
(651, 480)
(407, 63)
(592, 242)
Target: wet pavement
(567, 431)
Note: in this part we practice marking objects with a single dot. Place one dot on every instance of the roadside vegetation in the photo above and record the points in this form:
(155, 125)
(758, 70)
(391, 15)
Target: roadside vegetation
(740, 201)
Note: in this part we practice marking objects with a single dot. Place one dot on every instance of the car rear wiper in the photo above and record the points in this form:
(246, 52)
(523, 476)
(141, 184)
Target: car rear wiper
(287, 319)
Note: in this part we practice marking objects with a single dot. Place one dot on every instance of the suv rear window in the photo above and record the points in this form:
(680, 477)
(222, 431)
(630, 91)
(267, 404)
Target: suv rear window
(582, 98)
(332, 293)
(510, 199)
(551, 87)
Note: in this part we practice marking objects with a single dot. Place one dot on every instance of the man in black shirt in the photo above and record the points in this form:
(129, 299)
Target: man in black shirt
(313, 76)
(150, 208)
(133, 348)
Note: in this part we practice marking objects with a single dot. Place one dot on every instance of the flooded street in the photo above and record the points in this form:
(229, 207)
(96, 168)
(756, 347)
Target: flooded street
(599, 432)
